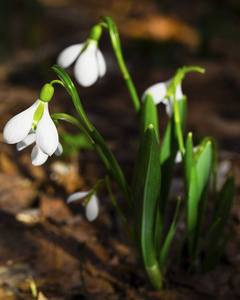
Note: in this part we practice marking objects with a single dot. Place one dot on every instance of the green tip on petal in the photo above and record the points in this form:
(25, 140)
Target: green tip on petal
(46, 93)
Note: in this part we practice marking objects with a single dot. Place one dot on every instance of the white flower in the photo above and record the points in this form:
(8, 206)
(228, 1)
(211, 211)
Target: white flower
(90, 63)
(34, 119)
(92, 207)
(37, 156)
(178, 157)
(158, 92)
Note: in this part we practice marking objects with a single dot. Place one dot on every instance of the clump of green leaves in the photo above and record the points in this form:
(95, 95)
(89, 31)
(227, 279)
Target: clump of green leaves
(147, 195)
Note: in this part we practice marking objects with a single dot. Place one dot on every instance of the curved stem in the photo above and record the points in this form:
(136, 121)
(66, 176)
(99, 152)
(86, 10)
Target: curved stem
(68, 84)
(118, 208)
(114, 36)
(57, 81)
(106, 156)
(178, 126)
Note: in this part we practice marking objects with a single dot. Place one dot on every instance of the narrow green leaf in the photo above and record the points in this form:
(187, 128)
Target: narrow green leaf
(188, 160)
(149, 115)
(222, 212)
(168, 239)
(197, 195)
(204, 169)
(192, 209)
(146, 191)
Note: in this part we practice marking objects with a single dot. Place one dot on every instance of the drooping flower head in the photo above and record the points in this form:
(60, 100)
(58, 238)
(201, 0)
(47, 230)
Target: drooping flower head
(92, 203)
(165, 92)
(159, 93)
(34, 125)
(89, 61)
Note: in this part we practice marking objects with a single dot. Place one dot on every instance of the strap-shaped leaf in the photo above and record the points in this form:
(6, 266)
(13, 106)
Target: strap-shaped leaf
(149, 115)
(169, 237)
(146, 191)
(197, 196)
(188, 160)
(221, 213)
(169, 150)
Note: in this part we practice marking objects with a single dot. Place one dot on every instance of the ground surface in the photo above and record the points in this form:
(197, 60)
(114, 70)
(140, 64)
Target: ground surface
(43, 238)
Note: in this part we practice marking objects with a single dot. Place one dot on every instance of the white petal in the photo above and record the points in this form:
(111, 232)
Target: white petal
(69, 55)
(29, 139)
(101, 64)
(86, 67)
(169, 107)
(169, 103)
(46, 133)
(158, 91)
(59, 150)
(77, 196)
(179, 93)
(38, 157)
(92, 208)
(19, 126)
(178, 157)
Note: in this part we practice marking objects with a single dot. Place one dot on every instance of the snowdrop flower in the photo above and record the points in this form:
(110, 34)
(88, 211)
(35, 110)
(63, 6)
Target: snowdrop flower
(38, 157)
(178, 158)
(34, 119)
(158, 92)
(92, 207)
(89, 61)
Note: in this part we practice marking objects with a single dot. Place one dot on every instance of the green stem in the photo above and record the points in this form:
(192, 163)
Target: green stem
(68, 84)
(178, 125)
(118, 208)
(114, 166)
(155, 277)
(114, 36)
(57, 81)
(123, 185)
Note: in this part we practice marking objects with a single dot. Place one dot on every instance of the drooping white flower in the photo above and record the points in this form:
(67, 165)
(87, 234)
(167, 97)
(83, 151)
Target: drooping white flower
(92, 207)
(38, 156)
(178, 158)
(158, 92)
(35, 119)
(90, 63)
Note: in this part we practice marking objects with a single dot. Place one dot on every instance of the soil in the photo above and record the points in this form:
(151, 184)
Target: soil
(41, 237)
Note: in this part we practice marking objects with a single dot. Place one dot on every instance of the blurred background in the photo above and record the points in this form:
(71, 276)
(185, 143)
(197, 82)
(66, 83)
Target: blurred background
(157, 37)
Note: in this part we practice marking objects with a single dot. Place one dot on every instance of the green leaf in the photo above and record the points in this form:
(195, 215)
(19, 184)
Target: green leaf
(146, 191)
(169, 150)
(169, 237)
(197, 195)
(221, 212)
(188, 160)
(149, 115)
(192, 209)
